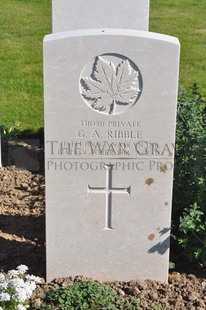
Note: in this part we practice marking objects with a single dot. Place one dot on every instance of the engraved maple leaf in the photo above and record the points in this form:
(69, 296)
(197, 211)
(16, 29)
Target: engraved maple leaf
(109, 86)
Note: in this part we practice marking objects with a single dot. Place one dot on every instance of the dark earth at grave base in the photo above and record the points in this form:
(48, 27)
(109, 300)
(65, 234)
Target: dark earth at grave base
(22, 241)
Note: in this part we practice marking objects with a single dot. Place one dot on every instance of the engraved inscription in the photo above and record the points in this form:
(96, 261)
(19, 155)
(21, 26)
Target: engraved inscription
(109, 190)
(109, 88)
(111, 123)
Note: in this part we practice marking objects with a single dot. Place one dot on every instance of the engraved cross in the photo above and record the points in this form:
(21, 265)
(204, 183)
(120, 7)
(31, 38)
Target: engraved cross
(109, 190)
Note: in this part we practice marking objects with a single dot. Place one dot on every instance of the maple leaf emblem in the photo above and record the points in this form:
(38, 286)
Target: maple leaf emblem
(109, 86)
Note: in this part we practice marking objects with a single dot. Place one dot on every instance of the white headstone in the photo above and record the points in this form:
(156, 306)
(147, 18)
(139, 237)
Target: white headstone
(110, 108)
(85, 14)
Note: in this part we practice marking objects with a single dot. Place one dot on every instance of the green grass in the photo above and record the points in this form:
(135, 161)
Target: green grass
(23, 24)
(185, 19)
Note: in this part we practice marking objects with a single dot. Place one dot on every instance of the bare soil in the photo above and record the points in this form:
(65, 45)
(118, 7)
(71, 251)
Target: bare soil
(22, 241)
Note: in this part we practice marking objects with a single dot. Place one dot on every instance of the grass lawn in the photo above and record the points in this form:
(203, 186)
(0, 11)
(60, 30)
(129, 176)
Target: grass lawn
(23, 24)
(185, 19)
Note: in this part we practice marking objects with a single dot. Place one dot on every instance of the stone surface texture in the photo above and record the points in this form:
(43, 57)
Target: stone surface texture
(81, 14)
(110, 109)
